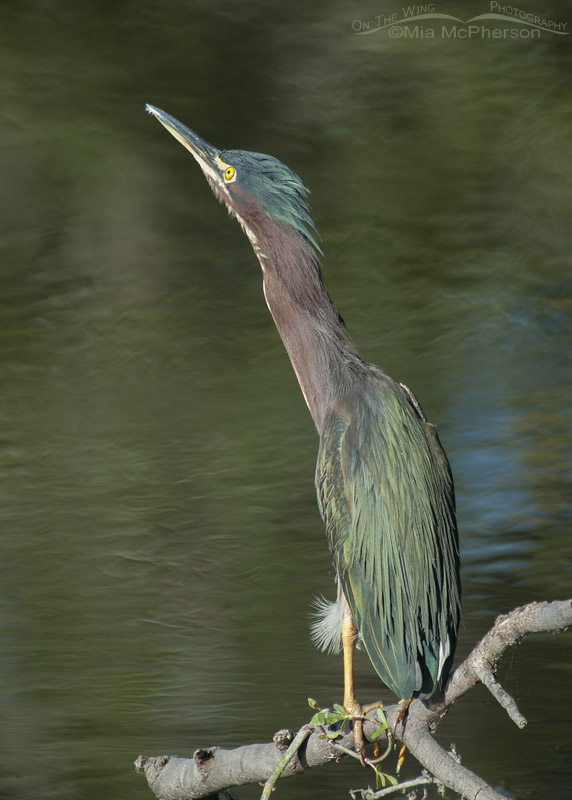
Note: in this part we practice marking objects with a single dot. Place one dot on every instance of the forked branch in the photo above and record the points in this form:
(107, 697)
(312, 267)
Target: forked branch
(214, 770)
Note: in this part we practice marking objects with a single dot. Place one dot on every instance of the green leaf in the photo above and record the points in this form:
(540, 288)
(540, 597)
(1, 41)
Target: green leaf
(333, 734)
(341, 710)
(381, 778)
(313, 704)
(382, 719)
(378, 732)
(326, 717)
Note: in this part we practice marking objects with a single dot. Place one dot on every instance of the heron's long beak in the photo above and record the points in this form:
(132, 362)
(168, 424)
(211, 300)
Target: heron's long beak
(207, 156)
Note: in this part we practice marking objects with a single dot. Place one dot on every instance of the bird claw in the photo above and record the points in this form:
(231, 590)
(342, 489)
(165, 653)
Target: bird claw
(402, 712)
(358, 715)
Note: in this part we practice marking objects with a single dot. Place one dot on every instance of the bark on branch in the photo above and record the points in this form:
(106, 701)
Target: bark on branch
(214, 770)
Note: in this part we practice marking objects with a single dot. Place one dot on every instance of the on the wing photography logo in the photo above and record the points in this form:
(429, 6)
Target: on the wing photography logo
(502, 21)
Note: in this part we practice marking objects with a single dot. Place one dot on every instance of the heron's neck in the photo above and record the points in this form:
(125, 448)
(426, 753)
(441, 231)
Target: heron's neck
(307, 320)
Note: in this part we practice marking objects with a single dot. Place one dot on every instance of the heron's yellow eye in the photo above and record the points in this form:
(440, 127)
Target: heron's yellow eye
(229, 173)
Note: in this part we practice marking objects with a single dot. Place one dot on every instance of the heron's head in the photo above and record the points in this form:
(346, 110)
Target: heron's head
(251, 185)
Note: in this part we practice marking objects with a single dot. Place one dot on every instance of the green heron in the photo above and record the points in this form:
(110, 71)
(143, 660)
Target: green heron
(384, 484)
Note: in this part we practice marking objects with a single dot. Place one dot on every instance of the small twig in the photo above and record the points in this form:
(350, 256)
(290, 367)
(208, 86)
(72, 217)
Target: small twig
(488, 679)
(297, 741)
(346, 750)
(507, 631)
(369, 794)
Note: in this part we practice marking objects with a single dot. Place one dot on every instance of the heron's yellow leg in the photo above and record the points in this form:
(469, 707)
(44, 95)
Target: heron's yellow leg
(351, 705)
(349, 633)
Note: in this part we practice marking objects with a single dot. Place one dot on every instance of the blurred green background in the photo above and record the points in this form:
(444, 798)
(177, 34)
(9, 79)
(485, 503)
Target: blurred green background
(161, 544)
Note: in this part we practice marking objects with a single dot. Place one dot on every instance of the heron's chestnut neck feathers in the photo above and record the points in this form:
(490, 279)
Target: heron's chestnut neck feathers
(309, 324)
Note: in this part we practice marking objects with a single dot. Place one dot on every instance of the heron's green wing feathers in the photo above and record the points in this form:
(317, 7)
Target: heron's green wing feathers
(386, 496)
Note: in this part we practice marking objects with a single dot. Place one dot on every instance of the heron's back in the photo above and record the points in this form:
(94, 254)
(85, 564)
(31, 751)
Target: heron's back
(386, 496)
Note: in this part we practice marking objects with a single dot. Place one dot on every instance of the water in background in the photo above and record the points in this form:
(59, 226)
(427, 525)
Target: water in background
(161, 544)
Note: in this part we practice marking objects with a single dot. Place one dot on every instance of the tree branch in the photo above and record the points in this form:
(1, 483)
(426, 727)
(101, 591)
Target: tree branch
(507, 631)
(213, 770)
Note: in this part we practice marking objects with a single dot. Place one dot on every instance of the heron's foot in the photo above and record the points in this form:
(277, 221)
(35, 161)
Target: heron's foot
(402, 712)
(358, 713)
(400, 716)
(370, 706)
